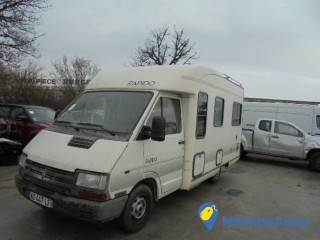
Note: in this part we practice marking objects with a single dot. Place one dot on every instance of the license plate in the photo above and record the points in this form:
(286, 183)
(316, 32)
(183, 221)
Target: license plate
(41, 200)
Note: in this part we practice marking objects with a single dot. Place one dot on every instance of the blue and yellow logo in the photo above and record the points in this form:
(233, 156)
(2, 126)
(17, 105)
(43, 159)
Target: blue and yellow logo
(208, 214)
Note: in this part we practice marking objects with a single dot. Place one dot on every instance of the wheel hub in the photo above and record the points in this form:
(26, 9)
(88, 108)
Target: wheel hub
(139, 207)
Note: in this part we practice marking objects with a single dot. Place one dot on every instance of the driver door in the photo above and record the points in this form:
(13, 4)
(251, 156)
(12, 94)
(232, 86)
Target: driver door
(166, 158)
(20, 128)
(287, 140)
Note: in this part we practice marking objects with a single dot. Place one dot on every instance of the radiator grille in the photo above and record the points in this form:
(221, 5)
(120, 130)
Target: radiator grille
(51, 178)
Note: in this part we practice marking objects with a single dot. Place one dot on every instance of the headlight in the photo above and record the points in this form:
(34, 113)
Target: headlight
(22, 160)
(88, 180)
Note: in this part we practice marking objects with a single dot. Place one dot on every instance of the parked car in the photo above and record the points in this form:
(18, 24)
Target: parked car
(25, 121)
(283, 139)
(9, 150)
(307, 117)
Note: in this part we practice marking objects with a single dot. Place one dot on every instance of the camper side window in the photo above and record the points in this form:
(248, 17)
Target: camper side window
(236, 114)
(202, 115)
(170, 109)
(218, 112)
(318, 121)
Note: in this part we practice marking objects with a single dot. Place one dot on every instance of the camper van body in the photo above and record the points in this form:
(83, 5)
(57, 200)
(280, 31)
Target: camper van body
(98, 163)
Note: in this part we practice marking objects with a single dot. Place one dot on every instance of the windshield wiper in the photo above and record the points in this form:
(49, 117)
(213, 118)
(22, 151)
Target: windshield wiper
(62, 122)
(65, 123)
(97, 125)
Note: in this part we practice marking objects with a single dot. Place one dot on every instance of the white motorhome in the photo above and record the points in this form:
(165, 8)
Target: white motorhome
(307, 117)
(134, 136)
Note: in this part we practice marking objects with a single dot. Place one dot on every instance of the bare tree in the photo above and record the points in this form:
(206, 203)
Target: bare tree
(20, 85)
(73, 77)
(163, 48)
(25, 89)
(18, 20)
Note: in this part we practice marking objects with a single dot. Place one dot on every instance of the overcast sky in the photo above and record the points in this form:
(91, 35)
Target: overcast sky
(271, 46)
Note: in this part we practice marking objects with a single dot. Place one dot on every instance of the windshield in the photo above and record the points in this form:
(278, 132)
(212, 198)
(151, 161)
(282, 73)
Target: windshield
(41, 115)
(116, 112)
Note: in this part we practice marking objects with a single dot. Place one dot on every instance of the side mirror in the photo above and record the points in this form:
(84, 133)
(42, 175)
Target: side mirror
(158, 130)
(57, 114)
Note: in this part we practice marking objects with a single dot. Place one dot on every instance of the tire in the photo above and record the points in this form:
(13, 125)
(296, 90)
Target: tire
(314, 162)
(9, 154)
(243, 153)
(4, 153)
(137, 209)
(215, 178)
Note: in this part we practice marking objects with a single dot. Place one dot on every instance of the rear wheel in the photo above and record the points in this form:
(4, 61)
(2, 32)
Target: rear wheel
(4, 153)
(138, 209)
(215, 178)
(9, 154)
(314, 162)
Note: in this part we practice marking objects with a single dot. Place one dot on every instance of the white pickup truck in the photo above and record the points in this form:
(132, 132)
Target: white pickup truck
(282, 139)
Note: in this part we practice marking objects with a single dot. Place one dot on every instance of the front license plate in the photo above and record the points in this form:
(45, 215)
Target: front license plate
(41, 200)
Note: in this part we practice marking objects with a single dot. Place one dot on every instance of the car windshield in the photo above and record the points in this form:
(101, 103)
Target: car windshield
(113, 111)
(41, 115)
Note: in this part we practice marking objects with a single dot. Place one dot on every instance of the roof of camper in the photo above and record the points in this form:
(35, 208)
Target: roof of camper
(156, 77)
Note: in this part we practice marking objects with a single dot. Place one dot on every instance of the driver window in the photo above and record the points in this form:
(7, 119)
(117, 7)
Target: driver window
(171, 110)
(287, 129)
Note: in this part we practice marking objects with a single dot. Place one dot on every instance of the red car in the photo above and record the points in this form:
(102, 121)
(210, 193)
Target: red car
(25, 121)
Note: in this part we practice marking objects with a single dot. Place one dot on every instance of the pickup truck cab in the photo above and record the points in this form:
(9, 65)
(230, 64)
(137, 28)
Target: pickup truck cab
(282, 139)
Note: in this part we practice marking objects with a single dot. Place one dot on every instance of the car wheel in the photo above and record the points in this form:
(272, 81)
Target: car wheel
(243, 153)
(215, 178)
(137, 209)
(314, 162)
(4, 153)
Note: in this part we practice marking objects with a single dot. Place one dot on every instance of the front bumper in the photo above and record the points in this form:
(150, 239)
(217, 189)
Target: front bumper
(86, 210)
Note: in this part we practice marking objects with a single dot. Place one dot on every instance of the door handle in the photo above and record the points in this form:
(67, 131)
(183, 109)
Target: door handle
(274, 136)
(181, 142)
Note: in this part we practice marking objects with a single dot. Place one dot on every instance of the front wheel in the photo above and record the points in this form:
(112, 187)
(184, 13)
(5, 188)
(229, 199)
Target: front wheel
(243, 153)
(314, 162)
(138, 209)
(8, 154)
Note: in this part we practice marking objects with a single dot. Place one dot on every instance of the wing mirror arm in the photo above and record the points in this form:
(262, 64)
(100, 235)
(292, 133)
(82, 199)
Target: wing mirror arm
(145, 133)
